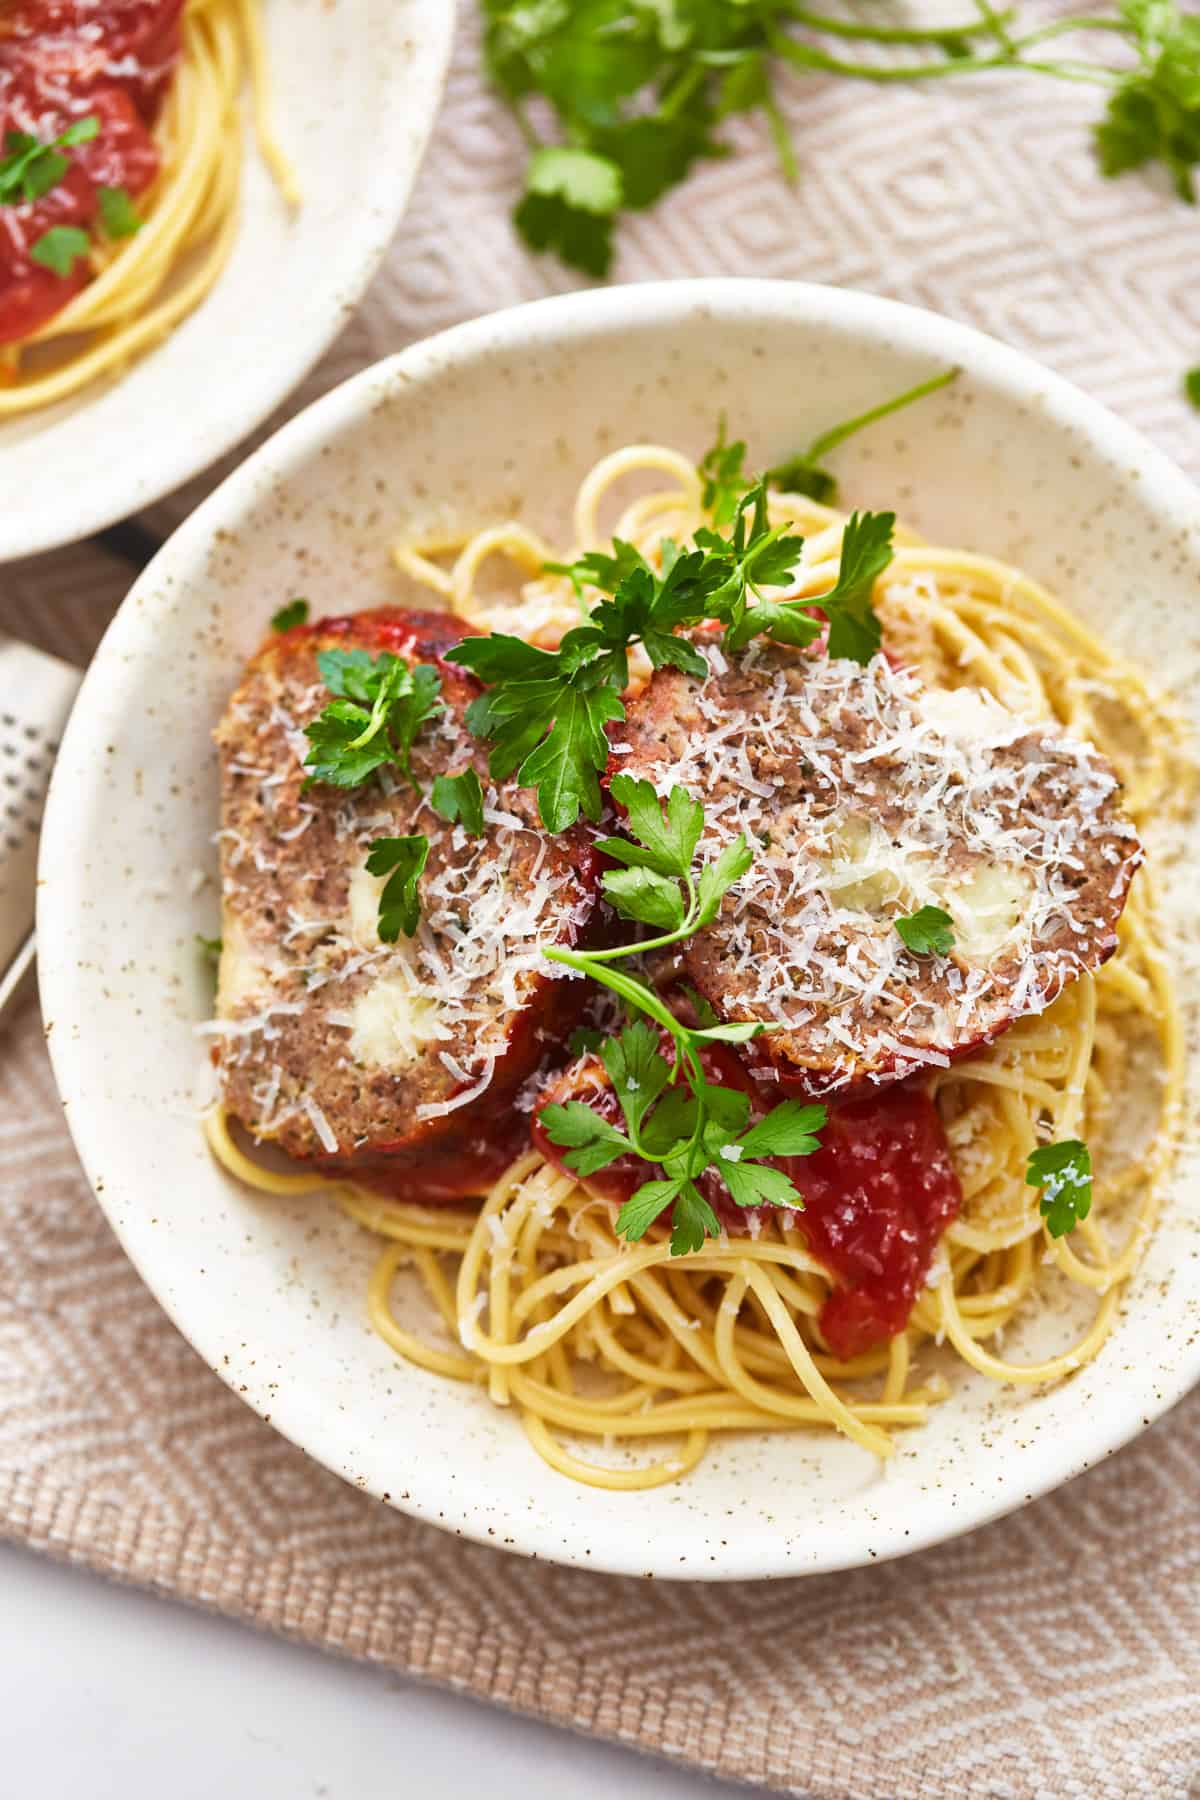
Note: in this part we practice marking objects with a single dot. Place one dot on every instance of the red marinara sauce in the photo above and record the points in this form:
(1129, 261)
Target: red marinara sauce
(62, 61)
(878, 1194)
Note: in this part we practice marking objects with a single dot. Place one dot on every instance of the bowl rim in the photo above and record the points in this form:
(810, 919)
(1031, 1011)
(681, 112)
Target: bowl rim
(370, 227)
(61, 894)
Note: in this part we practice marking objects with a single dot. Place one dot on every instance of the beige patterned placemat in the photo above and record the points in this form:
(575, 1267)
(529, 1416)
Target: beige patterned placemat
(1054, 1655)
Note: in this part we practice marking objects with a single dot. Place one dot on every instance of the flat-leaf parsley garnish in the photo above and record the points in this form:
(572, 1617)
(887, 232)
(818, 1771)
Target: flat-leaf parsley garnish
(1063, 1171)
(545, 712)
(403, 860)
(294, 613)
(638, 89)
(118, 215)
(459, 798)
(804, 473)
(676, 1120)
(927, 932)
(31, 168)
(381, 703)
(60, 248)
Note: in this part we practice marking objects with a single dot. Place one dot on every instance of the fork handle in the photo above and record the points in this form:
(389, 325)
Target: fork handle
(14, 975)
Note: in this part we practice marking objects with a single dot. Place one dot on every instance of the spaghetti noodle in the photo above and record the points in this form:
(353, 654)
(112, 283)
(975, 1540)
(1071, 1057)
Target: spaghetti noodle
(139, 288)
(591, 1338)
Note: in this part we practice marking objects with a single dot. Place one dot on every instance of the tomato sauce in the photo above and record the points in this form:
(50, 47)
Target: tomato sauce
(62, 61)
(878, 1194)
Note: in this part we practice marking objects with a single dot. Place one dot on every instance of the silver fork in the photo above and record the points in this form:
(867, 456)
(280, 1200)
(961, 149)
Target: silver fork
(36, 695)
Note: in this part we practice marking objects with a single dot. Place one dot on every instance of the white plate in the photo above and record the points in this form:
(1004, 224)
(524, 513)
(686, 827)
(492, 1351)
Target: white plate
(505, 415)
(356, 88)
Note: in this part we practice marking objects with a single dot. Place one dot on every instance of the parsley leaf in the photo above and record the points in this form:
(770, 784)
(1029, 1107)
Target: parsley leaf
(570, 199)
(677, 1121)
(927, 932)
(854, 628)
(584, 1039)
(118, 215)
(650, 899)
(593, 1143)
(638, 89)
(403, 859)
(210, 948)
(722, 469)
(544, 712)
(755, 1184)
(60, 248)
(563, 767)
(1063, 1171)
(82, 131)
(459, 797)
(718, 877)
(637, 1069)
(382, 704)
(667, 836)
(643, 1207)
(31, 168)
(597, 569)
(789, 1129)
(1154, 116)
(656, 887)
(294, 613)
(1191, 387)
(691, 1222)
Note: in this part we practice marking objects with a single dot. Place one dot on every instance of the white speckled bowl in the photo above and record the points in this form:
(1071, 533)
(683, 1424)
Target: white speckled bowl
(356, 88)
(505, 415)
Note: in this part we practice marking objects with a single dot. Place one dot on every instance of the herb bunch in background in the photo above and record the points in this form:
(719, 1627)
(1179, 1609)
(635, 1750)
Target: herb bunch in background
(639, 89)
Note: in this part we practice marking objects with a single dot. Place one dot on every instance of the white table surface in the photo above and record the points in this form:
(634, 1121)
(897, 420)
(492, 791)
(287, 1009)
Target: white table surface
(107, 1691)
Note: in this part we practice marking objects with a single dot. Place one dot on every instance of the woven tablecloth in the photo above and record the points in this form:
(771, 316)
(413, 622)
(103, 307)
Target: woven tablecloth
(1055, 1654)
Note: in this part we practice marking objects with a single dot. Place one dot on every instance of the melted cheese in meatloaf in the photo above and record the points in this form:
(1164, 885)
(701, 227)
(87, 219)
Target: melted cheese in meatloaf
(337, 1045)
(866, 796)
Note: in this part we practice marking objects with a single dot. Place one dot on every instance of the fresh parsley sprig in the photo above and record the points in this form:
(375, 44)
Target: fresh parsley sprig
(380, 705)
(676, 1120)
(723, 467)
(459, 799)
(292, 613)
(60, 248)
(1063, 1172)
(927, 932)
(639, 89)
(402, 860)
(118, 215)
(545, 712)
(804, 472)
(32, 167)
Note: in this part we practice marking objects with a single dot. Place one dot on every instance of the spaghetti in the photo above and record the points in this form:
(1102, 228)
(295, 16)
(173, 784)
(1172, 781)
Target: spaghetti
(590, 1338)
(130, 292)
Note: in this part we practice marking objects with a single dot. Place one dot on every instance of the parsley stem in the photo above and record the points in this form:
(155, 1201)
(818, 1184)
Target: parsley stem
(681, 91)
(585, 962)
(804, 56)
(829, 440)
(1065, 27)
(781, 137)
(900, 34)
(658, 943)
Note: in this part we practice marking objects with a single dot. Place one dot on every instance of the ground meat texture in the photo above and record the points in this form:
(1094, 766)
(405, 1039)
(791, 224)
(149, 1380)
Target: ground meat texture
(865, 796)
(396, 1062)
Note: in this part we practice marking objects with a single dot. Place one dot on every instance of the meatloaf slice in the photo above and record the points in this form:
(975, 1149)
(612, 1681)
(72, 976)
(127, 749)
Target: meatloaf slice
(866, 796)
(396, 1062)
